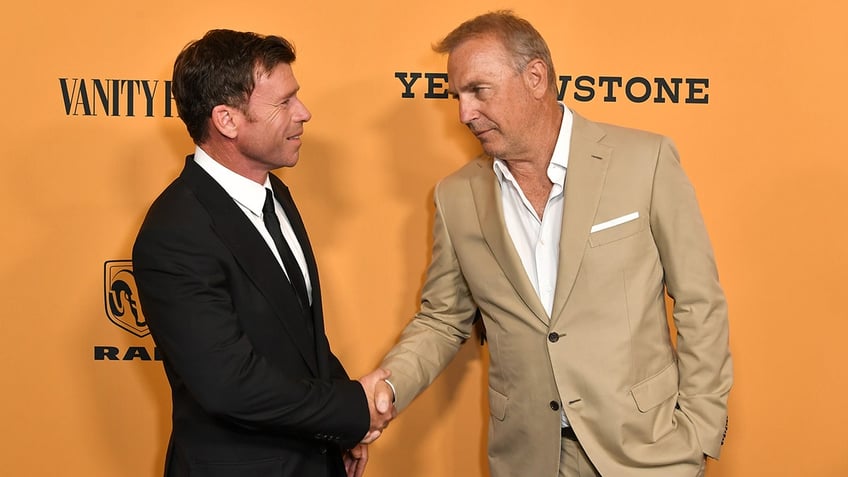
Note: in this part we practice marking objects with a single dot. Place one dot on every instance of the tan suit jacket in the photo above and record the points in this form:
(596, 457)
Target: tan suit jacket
(639, 406)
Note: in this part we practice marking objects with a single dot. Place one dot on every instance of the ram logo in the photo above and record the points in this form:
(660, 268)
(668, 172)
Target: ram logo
(121, 297)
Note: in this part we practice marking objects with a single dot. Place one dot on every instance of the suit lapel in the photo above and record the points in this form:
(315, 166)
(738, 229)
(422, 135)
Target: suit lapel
(250, 250)
(487, 200)
(317, 312)
(285, 199)
(587, 166)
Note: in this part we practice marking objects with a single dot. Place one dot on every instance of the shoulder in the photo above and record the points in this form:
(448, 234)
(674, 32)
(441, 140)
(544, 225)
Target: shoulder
(625, 144)
(479, 167)
(176, 203)
(614, 135)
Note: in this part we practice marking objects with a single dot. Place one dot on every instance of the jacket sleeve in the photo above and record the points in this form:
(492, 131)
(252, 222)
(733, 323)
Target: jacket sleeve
(700, 309)
(443, 323)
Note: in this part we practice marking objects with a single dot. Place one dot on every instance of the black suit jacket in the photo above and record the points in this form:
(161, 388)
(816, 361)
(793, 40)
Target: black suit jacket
(255, 388)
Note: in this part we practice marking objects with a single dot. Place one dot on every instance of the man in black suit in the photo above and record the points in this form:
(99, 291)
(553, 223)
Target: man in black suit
(229, 284)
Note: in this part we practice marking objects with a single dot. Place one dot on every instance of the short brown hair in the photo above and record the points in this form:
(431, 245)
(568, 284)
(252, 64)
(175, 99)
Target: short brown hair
(221, 68)
(516, 34)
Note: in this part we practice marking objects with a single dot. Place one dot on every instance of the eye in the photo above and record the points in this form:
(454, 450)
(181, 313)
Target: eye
(481, 92)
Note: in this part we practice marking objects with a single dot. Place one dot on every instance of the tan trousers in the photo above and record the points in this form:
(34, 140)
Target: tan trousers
(573, 461)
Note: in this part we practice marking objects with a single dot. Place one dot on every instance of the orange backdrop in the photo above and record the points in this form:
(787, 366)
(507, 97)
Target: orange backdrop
(77, 173)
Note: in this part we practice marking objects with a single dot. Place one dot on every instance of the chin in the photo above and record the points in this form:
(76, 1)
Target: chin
(490, 148)
(491, 151)
(290, 161)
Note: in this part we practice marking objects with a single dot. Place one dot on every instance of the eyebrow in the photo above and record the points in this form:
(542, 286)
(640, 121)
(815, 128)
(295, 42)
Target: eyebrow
(469, 86)
(286, 95)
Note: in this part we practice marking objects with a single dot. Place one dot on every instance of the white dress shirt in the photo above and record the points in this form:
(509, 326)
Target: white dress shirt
(250, 197)
(537, 240)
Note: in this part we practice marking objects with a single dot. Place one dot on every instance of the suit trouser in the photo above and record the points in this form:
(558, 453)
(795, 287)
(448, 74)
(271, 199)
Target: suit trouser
(573, 461)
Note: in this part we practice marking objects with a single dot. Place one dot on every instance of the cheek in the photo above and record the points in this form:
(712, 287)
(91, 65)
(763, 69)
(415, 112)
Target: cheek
(285, 122)
(522, 119)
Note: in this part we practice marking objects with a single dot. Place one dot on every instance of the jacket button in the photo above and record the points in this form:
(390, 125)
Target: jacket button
(555, 405)
(553, 337)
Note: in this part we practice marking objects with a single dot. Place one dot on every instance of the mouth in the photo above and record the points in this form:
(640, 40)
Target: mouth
(481, 133)
(296, 137)
(479, 130)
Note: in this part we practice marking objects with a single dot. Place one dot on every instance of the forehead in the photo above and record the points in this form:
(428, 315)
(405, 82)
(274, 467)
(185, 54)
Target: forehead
(277, 83)
(476, 59)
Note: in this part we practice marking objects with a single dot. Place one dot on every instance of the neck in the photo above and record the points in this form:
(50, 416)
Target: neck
(546, 131)
(225, 154)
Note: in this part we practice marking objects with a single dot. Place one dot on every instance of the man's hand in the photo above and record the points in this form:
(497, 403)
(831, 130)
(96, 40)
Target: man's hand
(380, 398)
(355, 460)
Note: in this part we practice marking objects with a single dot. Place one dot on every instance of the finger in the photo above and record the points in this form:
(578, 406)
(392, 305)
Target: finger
(349, 463)
(370, 437)
(383, 397)
(382, 403)
(361, 462)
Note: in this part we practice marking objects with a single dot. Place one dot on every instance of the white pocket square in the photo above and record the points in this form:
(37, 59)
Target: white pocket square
(616, 221)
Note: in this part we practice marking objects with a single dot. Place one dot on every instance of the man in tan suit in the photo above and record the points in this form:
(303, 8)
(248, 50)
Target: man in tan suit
(564, 236)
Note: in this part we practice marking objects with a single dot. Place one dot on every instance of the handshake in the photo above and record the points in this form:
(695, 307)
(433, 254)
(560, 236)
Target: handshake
(380, 402)
(381, 407)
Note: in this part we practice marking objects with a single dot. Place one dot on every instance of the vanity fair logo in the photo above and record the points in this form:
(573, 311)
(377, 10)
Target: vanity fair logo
(117, 97)
(120, 296)
(582, 88)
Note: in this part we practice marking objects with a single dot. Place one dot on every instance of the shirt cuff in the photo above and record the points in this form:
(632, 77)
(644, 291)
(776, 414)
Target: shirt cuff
(394, 393)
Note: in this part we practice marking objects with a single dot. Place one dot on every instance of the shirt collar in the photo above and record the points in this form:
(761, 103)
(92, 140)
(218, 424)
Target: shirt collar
(244, 191)
(559, 158)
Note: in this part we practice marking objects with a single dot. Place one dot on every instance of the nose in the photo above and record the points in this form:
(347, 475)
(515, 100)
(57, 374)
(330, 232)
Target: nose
(302, 115)
(467, 110)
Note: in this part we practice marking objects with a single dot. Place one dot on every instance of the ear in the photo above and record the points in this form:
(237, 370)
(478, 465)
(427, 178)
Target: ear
(536, 77)
(225, 120)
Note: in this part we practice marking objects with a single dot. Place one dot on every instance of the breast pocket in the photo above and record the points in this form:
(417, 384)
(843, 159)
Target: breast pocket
(618, 231)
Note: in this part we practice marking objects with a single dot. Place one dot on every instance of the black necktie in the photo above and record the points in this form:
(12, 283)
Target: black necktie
(289, 262)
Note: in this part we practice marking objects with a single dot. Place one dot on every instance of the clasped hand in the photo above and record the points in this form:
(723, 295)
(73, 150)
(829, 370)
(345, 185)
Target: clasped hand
(380, 402)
